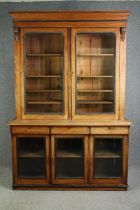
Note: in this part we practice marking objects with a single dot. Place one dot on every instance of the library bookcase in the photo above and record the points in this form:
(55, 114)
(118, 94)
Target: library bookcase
(70, 132)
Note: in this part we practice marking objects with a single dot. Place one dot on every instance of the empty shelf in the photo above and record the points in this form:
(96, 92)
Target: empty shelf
(94, 102)
(68, 154)
(37, 154)
(94, 54)
(106, 154)
(43, 76)
(44, 91)
(90, 77)
(44, 102)
(44, 54)
(88, 91)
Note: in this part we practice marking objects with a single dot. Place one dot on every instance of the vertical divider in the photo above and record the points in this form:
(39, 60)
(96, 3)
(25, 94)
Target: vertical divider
(125, 159)
(47, 145)
(91, 147)
(14, 158)
(86, 158)
(53, 159)
(69, 76)
(17, 73)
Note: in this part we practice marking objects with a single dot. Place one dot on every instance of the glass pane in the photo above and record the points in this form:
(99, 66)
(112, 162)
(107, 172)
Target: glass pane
(31, 157)
(69, 157)
(108, 157)
(44, 73)
(95, 72)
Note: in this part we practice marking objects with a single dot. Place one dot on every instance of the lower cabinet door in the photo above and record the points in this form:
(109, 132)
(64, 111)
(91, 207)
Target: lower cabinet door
(69, 159)
(108, 156)
(31, 159)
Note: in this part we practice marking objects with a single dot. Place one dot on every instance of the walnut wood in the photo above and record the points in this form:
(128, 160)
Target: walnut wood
(70, 15)
(123, 33)
(19, 180)
(70, 188)
(109, 130)
(29, 130)
(83, 122)
(72, 181)
(46, 116)
(80, 24)
(122, 77)
(95, 116)
(70, 130)
(110, 181)
(81, 64)
(17, 72)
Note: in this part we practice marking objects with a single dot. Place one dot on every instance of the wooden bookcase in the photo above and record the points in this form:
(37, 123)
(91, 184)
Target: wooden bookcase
(70, 130)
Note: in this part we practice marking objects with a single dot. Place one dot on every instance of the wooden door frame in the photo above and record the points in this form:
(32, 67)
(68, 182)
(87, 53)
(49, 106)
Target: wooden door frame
(110, 116)
(71, 181)
(110, 181)
(35, 181)
(63, 31)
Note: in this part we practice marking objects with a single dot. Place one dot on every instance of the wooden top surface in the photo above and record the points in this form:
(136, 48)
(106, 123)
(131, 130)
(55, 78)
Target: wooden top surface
(118, 15)
(71, 122)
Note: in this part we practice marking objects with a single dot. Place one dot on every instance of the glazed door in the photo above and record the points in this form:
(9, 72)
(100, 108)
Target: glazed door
(95, 73)
(69, 159)
(108, 160)
(31, 159)
(44, 82)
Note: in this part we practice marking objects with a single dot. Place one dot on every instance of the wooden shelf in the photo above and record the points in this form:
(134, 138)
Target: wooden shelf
(38, 154)
(106, 154)
(101, 76)
(43, 76)
(66, 175)
(69, 154)
(44, 102)
(91, 55)
(92, 91)
(44, 54)
(104, 175)
(44, 91)
(94, 102)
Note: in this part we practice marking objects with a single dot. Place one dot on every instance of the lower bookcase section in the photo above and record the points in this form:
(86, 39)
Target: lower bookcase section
(70, 161)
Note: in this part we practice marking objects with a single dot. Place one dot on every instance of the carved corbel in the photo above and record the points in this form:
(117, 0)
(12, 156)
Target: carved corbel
(123, 33)
(17, 34)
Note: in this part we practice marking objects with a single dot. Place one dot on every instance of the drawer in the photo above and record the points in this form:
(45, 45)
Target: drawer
(109, 130)
(70, 130)
(29, 130)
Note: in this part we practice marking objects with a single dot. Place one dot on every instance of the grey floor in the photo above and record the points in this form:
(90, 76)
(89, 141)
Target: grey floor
(69, 200)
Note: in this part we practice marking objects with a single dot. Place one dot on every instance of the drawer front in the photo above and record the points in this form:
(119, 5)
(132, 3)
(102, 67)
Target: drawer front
(29, 130)
(109, 130)
(70, 130)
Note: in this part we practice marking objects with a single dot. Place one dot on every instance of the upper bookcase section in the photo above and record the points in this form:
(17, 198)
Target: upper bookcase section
(71, 18)
(70, 65)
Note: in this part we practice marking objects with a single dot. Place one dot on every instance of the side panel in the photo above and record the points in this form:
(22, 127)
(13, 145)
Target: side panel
(17, 70)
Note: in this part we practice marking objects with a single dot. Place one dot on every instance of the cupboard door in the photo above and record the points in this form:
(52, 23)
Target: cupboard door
(108, 160)
(69, 159)
(31, 159)
(95, 73)
(44, 76)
